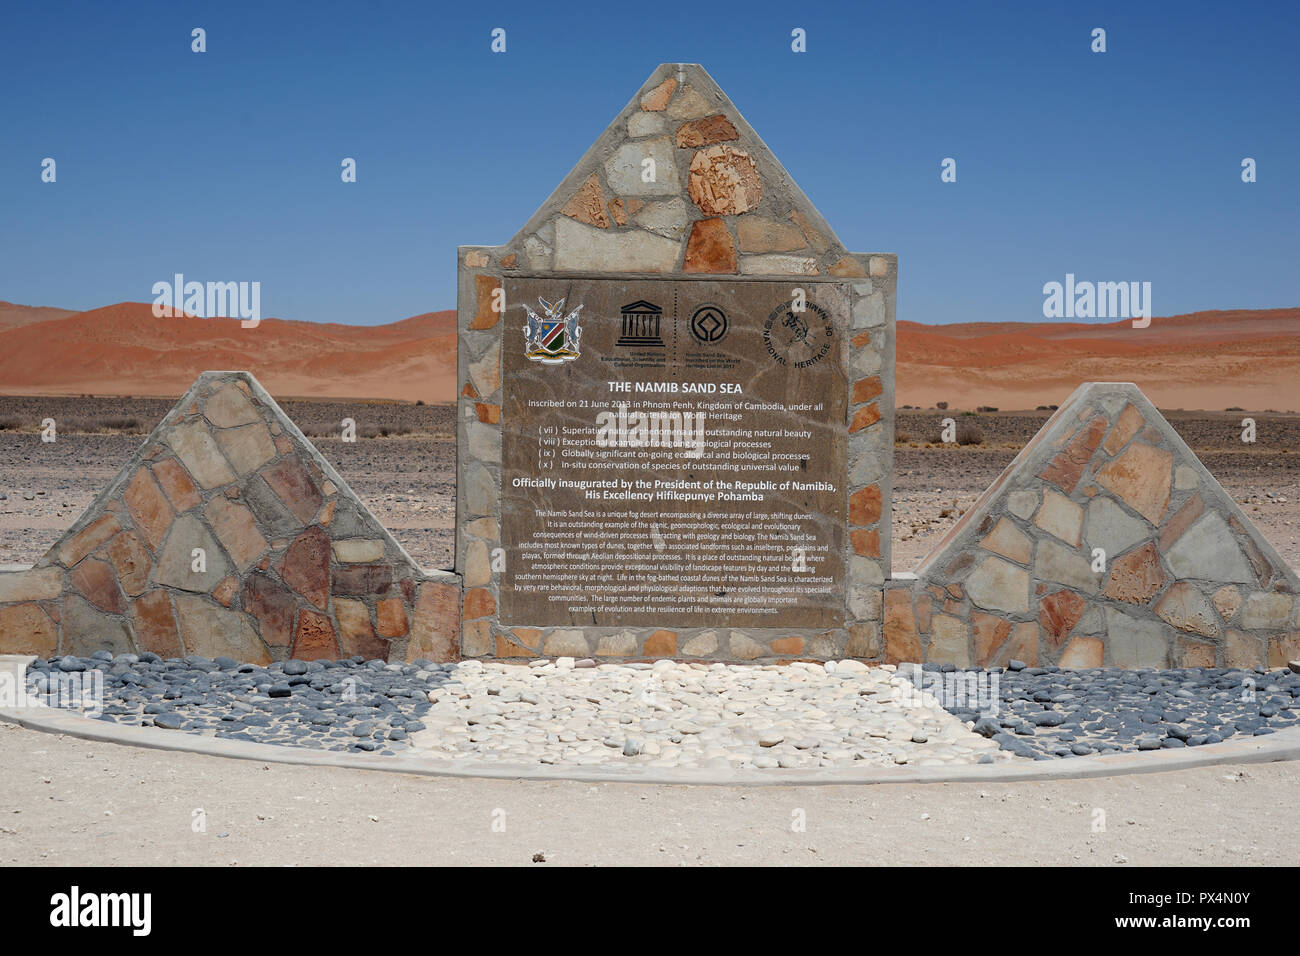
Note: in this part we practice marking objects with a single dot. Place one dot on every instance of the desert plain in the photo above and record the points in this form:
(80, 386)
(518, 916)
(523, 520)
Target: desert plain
(108, 375)
(403, 463)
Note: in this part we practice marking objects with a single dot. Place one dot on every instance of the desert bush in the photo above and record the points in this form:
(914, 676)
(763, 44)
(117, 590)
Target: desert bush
(111, 423)
(97, 424)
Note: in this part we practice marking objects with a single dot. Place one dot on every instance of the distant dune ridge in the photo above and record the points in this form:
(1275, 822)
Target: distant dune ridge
(124, 350)
(1205, 360)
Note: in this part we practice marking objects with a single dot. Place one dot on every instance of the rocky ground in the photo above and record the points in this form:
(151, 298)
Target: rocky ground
(408, 479)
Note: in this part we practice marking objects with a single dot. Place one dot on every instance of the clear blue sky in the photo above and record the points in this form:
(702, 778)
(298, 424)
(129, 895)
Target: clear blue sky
(225, 165)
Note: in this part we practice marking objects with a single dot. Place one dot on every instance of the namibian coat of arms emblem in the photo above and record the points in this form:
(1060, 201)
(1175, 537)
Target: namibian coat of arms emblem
(552, 337)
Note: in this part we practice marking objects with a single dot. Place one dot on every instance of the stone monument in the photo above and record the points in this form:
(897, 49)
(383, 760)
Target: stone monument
(676, 406)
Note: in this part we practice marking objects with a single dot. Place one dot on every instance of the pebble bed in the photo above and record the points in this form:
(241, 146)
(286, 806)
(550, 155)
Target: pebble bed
(1046, 712)
(349, 705)
(693, 715)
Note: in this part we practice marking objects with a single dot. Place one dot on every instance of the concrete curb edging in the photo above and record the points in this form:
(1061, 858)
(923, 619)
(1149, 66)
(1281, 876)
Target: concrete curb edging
(1282, 745)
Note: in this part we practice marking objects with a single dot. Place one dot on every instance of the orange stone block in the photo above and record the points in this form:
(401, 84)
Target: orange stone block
(488, 414)
(1057, 615)
(1194, 654)
(1136, 577)
(479, 602)
(96, 580)
(155, 625)
(1022, 645)
(305, 566)
(130, 561)
(390, 618)
(176, 484)
(225, 591)
(864, 417)
(1141, 477)
(315, 638)
(505, 648)
(710, 248)
(27, 629)
(865, 389)
(724, 181)
(435, 625)
(1083, 652)
(148, 507)
(485, 316)
(1067, 467)
(356, 635)
(656, 100)
(866, 543)
(990, 633)
(865, 506)
(528, 636)
(1130, 422)
(1283, 649)
(901, 642)
(660, 644)
(706, 132)
(787, 645)
(587, 204)
(848, 268)
(810, 232)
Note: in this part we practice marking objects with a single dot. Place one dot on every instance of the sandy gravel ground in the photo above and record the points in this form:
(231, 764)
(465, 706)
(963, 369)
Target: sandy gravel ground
(65, 801)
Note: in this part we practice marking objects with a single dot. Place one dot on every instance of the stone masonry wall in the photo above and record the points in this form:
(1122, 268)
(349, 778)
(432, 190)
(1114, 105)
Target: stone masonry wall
(1106, 542)
(294, 565)
(719, 205)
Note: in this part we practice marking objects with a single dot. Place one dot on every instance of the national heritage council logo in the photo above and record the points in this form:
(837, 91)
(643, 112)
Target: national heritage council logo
(551, 339)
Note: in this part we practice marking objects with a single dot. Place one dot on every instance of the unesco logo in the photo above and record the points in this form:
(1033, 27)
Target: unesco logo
(709, 324)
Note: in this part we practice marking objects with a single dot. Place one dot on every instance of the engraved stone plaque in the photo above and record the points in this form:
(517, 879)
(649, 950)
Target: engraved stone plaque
(674, 452)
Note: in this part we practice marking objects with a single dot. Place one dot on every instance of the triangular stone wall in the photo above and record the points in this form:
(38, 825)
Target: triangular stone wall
(717, 204)
(292, 563)
(1105, 542)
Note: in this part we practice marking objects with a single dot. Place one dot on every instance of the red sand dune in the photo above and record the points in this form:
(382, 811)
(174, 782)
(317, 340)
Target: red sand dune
(124, 350)
(1205, 360)
(13, 315)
